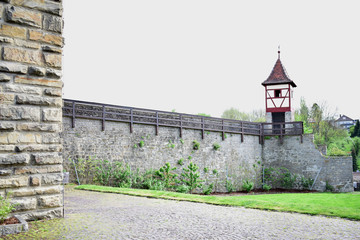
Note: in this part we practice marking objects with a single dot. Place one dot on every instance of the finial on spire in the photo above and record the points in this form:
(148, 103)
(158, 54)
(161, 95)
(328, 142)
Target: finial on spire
(279, 52)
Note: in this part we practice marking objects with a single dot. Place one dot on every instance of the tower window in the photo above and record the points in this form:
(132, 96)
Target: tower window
(277, 93)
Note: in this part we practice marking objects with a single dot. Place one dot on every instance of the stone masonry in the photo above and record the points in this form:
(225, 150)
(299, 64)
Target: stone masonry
(30, 106)
(235, 160)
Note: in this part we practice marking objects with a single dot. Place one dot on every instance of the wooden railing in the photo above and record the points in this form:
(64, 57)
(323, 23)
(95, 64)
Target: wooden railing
(105, 112)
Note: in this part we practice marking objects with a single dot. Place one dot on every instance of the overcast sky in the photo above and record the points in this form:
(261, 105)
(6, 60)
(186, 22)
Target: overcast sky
(208, 56)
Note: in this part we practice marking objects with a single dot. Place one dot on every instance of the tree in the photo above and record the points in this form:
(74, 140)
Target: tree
(204, 114)
(304, 111)
(254, 116)
(191, 177)
(355, 131)
(316, 117)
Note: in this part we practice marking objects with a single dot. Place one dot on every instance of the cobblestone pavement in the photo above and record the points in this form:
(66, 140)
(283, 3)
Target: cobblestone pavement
(92, 215)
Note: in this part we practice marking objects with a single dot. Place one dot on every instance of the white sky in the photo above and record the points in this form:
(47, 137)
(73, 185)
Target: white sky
(207, 56)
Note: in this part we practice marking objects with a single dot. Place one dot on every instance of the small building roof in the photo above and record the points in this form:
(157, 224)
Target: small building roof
(343, 118)
(278, 75)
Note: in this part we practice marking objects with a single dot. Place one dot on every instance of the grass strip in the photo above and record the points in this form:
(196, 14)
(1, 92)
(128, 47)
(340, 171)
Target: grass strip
(344, 205)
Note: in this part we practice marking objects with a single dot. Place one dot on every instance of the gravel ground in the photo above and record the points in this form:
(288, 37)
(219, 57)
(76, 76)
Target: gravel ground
(92, 215)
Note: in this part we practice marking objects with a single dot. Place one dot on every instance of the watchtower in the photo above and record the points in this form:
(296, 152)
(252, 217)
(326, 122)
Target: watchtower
(278, 95)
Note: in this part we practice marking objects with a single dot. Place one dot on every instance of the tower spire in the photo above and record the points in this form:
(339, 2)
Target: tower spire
(279, 52)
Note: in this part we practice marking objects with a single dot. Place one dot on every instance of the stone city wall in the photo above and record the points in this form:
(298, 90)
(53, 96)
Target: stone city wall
(235, 160)
(31, 106)
(305, 160)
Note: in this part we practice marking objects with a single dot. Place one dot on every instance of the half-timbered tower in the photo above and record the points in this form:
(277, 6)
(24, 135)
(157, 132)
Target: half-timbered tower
(279, 94)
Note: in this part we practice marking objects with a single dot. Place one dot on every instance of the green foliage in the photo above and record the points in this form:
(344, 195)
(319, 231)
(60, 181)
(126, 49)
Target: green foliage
(229, 186)
(122, 176)
(141, 144)
(355, 153)
(135, 146)
(151, 182)
(215, 171)
(247, 185)
(103, 172)
(306, 182)
(280, 177)
(208, 190)
(166, 175)
(287, 179)
(191, 177)
(328, 187)
(225, 135)
(254, 116)
(181, 161)
(181, 141)
(266, 187)
(183, 188)
(171, 144)
(355, 130)
(189, 157)
(85, 168)
(204, 114)
(5, 207)
(196, 145)
(206, 169)
(216, 146)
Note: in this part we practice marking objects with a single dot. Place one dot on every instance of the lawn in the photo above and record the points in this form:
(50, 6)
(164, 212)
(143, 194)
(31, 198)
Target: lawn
(344, 205)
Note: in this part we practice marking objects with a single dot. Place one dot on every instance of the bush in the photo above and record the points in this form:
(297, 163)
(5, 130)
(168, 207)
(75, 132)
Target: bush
(306, 182)
(266, 187)
(166, 175)
(248, 185)
(196, 145)
(191, 177)
(216, 146)
(5, 208)
(229, 186)
(328, 187)
(182, 188)
(208, 189)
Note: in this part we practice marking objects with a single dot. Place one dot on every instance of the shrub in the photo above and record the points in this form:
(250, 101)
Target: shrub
(141, 144)
(206, 170)
(229, 186)
(306, 182)
(328, 187)
(216, 146)
(85, 168)
(266, 187)
(196, 145)
(181, 161)
(103, 172)
(247, 185)
(166, 175)
(208, 190)
(287, 179)
(191, 177)
(182, 188)
(122, 175)
(5, 208)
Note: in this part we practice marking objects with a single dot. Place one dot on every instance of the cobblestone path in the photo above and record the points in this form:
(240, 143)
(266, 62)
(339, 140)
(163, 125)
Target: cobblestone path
(92, 215)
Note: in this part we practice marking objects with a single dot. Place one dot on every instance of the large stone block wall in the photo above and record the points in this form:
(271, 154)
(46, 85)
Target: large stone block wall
(305, 160)
(31, 106)
(234, 161)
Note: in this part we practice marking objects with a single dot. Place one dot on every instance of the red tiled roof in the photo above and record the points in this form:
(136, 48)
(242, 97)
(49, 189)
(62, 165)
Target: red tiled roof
(278, 76)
